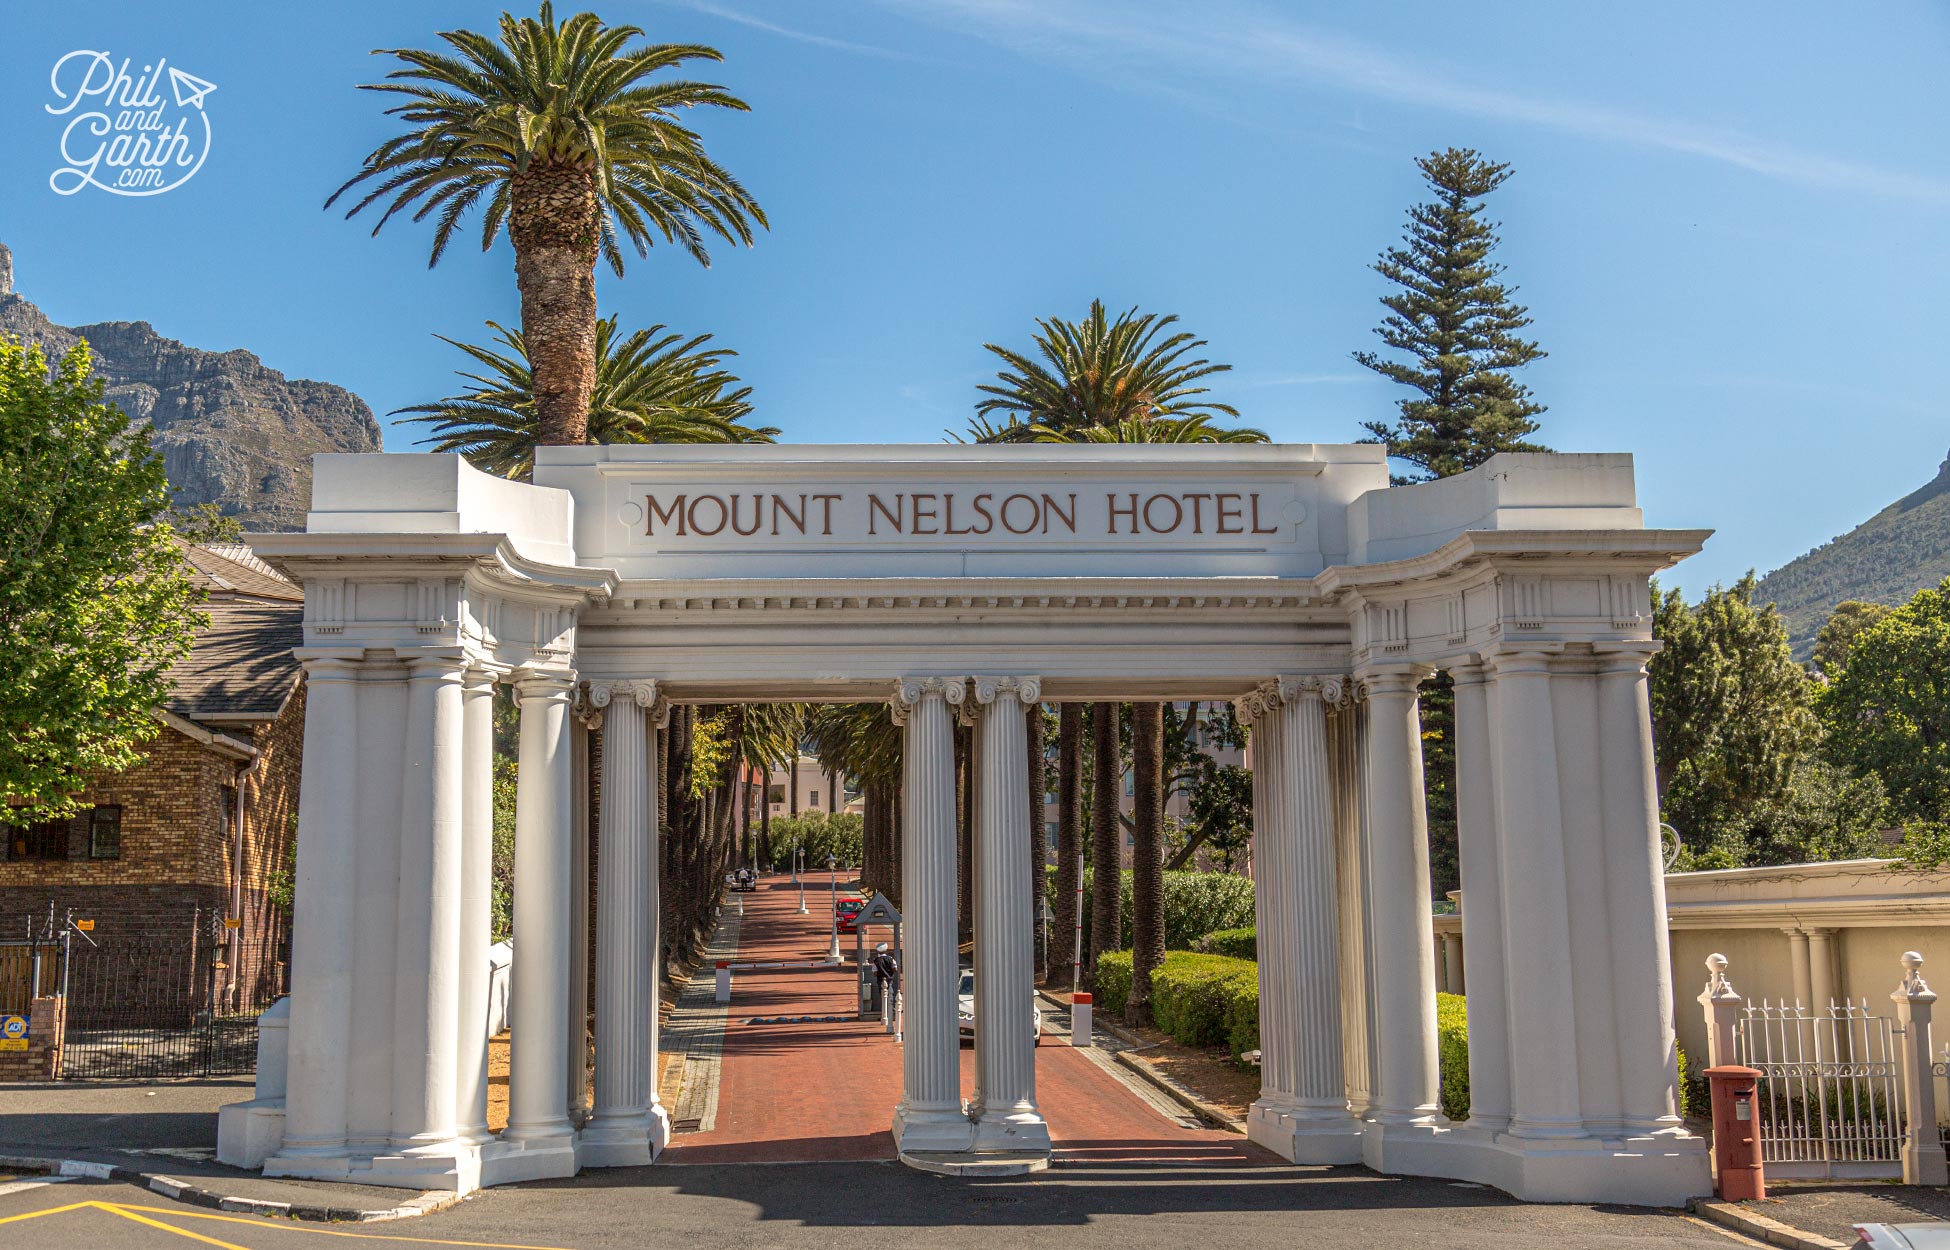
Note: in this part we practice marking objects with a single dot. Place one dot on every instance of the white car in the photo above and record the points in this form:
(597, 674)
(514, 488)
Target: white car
(965, 1008)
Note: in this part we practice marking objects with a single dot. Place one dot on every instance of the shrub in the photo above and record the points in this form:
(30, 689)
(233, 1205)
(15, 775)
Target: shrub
(1196, 903)
(1198, 999)
(1238, 943)
(1452, 1053)
(1114, 983)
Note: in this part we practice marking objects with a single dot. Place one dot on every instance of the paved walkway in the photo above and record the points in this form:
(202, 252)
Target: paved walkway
(791, 1090)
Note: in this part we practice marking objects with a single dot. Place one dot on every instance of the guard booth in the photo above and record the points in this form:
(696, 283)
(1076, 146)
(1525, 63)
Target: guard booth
(878, 911)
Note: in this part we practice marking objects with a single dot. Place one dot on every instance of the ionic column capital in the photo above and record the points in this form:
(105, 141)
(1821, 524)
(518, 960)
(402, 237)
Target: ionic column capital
(909, 691)
(1277, 692)
(1026, 689)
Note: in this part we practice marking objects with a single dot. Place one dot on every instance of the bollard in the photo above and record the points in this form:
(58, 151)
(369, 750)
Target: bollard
(1736, 1133)
(724, 982)
(1080, 1020)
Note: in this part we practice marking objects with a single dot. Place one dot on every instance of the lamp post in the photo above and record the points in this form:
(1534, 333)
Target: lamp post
(797, 852)
(832, 872)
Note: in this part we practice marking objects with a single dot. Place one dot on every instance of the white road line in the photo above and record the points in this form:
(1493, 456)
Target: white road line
(21, 1187)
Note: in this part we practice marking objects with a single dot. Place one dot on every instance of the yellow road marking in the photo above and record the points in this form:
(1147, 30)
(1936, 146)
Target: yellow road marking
(333, 1232)
(168, 1228)
(35, 1215)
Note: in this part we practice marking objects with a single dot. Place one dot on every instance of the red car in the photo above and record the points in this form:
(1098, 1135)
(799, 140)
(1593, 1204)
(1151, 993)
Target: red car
(848, 912)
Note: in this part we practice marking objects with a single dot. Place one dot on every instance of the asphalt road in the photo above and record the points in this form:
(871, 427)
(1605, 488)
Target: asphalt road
(882, 1205)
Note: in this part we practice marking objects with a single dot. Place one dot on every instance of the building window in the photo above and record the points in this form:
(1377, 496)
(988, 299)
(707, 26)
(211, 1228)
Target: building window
(775, 794)
(1130, 784)
(105, 833)
(1049, 829)
(812, 798)
(47, 840)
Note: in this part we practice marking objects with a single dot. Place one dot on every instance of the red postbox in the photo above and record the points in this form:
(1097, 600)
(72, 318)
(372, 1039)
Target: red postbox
(1736, 1132)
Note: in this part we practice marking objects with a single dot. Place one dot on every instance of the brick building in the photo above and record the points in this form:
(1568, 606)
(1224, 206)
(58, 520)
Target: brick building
(199, 829)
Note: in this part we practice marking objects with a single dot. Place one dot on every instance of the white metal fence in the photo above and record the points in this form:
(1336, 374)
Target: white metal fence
(1829, 1102)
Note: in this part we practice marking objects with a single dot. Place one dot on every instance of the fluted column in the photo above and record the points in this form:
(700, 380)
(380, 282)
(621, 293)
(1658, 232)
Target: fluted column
(1406, 1086)
(538, 1120)
(1537, 924)
(929, 1119)
(1302, 1112)
(628, 1126)
(1004, 1104)
(476, 902)
(320, 1033)
(426, 1001)
(1478, 856)
(1640, 945)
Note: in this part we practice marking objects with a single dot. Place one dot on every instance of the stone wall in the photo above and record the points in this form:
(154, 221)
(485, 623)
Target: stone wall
(41, 1059)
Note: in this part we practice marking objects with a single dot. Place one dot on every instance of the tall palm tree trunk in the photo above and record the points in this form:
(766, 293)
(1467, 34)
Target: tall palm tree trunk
(765, 822)
(1147, 866)
(1106, 836)
(554, 222)
(1069, 821)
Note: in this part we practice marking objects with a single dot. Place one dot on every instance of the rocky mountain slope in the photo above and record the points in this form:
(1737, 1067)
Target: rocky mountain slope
(232, 432)
(1886, 559)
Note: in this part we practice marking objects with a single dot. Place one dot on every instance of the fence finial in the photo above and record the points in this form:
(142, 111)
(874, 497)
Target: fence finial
(1717, 985)
(1913, 982)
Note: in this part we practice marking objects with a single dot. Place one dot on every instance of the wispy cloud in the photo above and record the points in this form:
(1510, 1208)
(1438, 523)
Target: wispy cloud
(730, 14)
(1274, 48)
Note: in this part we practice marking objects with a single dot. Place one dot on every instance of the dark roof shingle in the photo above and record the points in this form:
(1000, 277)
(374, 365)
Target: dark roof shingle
(241, 664)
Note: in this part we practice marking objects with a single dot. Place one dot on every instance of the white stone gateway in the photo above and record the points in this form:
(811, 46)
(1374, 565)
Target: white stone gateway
(958, 581)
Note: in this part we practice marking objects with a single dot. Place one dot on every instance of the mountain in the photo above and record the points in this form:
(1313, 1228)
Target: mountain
(1900, 550)
(231, 431)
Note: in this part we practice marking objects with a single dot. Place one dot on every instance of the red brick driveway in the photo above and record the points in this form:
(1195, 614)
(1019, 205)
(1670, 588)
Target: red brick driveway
(804, 1092)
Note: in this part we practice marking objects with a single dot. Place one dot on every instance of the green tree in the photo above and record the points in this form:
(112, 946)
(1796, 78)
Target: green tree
(1839, 632)
(96, 602)
(1458, 326)
(1823, 814)
(1731, 710)
(1888, 713)
(563, 134)
(1097, 372)
(652, 386)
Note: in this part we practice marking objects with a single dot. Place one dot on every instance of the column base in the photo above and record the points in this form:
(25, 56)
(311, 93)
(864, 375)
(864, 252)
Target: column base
(530, 1158)
(1022, 1131)
(1304, 1135)
(941, 1131)
(622, 1141)
(1925, 1165)
(455, 1166)
(1661, 1169)
(248, 1133)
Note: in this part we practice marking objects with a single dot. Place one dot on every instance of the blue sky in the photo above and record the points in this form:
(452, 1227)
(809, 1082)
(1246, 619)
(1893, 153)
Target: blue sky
(1729, 221)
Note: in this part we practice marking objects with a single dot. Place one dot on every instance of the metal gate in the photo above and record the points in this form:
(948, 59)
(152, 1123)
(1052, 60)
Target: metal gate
(1830, 1096)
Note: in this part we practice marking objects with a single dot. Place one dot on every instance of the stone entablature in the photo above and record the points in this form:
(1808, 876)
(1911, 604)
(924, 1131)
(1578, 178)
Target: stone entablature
(1291, 578)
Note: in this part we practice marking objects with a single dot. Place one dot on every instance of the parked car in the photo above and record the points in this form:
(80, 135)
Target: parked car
(848, 911)
(743, 881)
(966, 1009)
(1902, 1236)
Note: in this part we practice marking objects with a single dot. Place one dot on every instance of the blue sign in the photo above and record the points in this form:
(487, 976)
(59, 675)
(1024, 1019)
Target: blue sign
(13, 1027)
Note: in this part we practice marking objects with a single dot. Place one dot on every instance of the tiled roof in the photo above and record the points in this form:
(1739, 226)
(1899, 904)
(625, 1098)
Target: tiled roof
(241, 664)
(233, 571)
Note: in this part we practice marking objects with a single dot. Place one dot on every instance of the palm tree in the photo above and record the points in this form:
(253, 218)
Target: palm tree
(861, 740)
(1147, 856)
(652, 386)
(1096, 372)
(1194, 429)
(559, 135)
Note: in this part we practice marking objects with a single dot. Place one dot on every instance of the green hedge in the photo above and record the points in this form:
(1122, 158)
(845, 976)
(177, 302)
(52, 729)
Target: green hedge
(1452, 1054)
(1196, 903)
(1199, 1000)
(1238, 943)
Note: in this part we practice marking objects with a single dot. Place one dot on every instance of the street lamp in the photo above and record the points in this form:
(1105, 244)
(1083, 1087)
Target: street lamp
(832, 873)
(797, 852)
